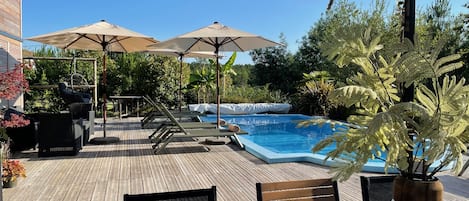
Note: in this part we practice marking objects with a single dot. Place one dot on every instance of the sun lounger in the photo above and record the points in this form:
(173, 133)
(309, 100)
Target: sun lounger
(148, 120)
(170, 125)
(165, 138)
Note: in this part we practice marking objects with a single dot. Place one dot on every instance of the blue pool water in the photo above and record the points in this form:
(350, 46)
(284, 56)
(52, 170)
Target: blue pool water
(276, 138)
(277, 133)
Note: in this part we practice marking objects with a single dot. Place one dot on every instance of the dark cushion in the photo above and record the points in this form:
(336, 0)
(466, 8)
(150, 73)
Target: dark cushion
(71, 96)
(80, 110)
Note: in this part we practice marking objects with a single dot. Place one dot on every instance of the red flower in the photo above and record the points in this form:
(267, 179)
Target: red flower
(12, 82)
(12, 169)
(15, 121)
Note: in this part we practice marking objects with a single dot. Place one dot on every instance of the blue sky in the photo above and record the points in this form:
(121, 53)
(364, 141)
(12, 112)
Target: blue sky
(164, 19)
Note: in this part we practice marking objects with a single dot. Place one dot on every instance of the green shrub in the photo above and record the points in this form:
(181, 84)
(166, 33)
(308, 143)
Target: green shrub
(248, 94)
(46, 100)
(311, 98)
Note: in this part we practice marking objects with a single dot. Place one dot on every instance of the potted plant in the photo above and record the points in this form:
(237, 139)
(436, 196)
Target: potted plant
(12, 83)
(12, 169)
(418, 137)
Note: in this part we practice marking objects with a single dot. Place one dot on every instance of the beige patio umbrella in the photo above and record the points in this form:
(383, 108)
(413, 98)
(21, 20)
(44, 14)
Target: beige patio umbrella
(181, 55)
(216, 38)
(98, 36)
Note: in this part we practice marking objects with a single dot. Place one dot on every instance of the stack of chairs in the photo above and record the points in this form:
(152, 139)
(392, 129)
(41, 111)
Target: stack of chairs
(149, 121)
(176, 130)
(169, 125)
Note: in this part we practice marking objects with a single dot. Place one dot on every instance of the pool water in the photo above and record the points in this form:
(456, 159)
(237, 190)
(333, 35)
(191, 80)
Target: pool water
(276, 138)
(279, 133)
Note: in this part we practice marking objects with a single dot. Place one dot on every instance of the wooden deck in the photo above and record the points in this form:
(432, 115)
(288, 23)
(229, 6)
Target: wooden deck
(107, 172)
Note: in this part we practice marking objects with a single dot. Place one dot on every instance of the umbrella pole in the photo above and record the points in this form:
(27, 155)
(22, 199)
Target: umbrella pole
(180, 83)
(104, 94)
(218, 87)
(104, 139)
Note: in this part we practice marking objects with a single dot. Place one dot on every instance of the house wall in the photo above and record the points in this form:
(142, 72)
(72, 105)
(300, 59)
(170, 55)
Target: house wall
(10, 40)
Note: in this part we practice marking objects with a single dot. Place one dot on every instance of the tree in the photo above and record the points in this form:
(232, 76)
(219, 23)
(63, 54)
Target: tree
(157, 78)
(339, 17)
(272, 66)
(243, 74)
(122, 77)
(464, 46)
(437, 23)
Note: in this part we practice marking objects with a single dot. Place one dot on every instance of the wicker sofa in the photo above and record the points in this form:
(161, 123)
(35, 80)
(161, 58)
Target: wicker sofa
(59, 134)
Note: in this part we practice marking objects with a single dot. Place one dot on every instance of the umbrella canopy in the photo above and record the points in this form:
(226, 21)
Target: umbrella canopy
(176, 53)
(98, 36)
(215, 38)
(181, 55)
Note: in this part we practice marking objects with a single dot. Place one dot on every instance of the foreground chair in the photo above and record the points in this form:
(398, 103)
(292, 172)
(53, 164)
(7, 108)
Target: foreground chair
(209, 194)
(315, 189)
(377, 188)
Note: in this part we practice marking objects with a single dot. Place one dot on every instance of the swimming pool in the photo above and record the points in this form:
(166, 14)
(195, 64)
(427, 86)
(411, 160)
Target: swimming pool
(275, 138)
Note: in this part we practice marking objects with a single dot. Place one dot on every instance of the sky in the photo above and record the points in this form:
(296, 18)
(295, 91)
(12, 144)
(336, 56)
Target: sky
(165, 19)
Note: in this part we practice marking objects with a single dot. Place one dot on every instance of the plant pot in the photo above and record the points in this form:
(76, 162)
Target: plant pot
(9, 183)
(414, 190)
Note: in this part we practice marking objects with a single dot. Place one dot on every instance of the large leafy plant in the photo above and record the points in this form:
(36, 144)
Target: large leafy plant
(311, 98)
(203, 80)
(411, 136)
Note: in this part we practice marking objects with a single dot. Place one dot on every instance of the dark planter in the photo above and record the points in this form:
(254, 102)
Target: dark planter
(414, 190)
(23, 138)
(9, 183)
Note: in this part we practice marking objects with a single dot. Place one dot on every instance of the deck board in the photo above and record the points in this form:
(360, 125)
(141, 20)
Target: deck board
(107, 172)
